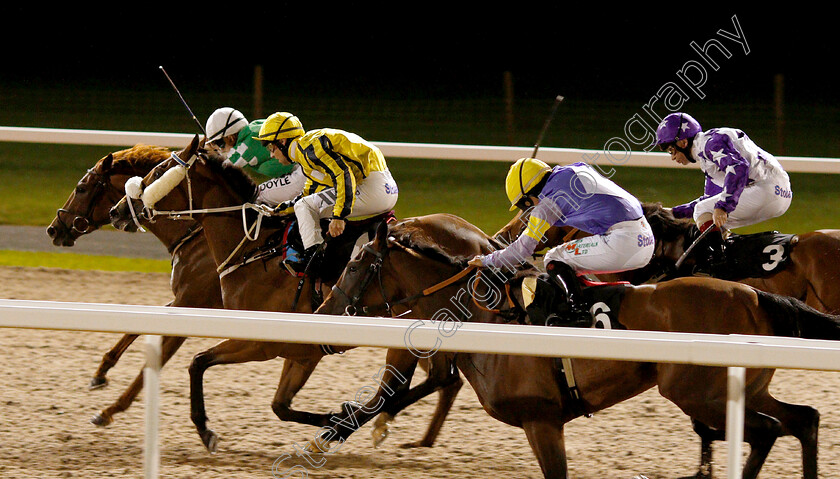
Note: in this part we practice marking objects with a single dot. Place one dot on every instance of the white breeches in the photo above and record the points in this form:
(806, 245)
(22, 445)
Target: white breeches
(625, 246)
(283, 188)
(758, 202)
(374, 195)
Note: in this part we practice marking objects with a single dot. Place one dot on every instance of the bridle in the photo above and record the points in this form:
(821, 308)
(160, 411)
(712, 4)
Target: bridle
(149, 213)
(83, 224)
(374, 271)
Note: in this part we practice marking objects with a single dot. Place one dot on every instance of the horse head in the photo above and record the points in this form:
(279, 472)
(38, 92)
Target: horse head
(186, 179)
(400, 264)
(351, 291)
(87, 207)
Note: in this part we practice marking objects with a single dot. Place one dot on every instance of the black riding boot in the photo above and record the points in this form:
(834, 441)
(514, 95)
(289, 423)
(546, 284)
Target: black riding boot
(711, 255)
(307, 262)
(558, 300)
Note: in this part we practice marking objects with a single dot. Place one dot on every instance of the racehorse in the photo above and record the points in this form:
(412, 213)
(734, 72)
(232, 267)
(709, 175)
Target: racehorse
(808, 272)
(194, 280)
(263, 284)
(524, 391)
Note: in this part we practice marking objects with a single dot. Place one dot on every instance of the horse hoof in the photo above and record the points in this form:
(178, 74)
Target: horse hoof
(101, 420)
(319, 445)
(97, 383)
(210, 440)
(379, 434)
(381, 428)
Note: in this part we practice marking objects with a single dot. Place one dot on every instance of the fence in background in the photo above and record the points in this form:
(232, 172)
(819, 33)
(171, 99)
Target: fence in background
(605, 159)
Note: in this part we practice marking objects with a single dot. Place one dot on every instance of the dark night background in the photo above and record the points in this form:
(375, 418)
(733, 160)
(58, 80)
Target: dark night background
(439, 49)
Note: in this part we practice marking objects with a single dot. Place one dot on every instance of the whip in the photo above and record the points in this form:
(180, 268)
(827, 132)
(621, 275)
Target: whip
(559, 99)
(200, 127)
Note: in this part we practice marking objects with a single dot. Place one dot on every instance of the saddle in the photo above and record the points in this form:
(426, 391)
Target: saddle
(601, 299)
(337, 250)
(754, 255)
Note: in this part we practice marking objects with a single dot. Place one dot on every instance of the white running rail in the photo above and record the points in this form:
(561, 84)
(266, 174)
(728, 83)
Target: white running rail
(407, 150)
(735, 352)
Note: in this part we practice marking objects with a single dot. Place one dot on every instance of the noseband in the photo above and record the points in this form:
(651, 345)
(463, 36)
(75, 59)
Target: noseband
(375, 269)
(83, 224)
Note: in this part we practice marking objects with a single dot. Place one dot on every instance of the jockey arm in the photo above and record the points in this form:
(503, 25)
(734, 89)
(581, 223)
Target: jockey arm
(541, 218)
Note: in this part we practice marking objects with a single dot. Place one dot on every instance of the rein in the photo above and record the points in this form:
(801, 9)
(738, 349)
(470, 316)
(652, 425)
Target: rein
(376, 269)
(251, 233)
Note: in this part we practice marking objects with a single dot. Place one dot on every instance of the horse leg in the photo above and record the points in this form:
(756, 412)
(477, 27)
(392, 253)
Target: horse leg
(760, 431)
(294, 376)
(394, 380)
(109, 360)
(549, 446)
(169, 345)
(446, 397)
(227, 352)
(802, 422)
(707, 437)
(442, 377)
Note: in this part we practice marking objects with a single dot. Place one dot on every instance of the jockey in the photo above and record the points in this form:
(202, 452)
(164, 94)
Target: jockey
(745, 185)
(346, 178)
(578, 196)
(230, 133)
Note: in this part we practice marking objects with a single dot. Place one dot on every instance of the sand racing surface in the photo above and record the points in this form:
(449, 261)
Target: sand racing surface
(45, 406)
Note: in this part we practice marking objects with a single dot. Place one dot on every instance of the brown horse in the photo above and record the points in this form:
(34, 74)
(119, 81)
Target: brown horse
(194, 280)
(809, 275)
(258, 285)
(524, 391)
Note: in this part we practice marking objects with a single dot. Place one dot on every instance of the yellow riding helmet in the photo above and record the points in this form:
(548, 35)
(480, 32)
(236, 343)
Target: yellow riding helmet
(522, 176)
(280, 125)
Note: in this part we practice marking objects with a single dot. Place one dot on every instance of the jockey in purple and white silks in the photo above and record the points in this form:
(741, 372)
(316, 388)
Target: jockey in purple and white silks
(745, 185)
(577, 196)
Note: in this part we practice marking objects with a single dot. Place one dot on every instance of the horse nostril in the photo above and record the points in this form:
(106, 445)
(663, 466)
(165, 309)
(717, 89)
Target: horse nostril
(51, 231)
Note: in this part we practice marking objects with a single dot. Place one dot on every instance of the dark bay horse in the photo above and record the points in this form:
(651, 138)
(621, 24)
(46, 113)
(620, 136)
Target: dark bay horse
(262, 285)
(194, 280)
(524, 391)
(810, 275)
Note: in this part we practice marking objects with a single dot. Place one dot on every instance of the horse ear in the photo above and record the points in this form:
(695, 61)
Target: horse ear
(381, 233)
(190, 150)
(106, 163)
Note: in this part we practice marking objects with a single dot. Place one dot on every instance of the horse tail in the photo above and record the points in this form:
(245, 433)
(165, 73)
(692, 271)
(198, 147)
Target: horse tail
(793, 318)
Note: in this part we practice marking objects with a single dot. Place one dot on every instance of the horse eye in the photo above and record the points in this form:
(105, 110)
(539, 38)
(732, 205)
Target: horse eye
(80, 189)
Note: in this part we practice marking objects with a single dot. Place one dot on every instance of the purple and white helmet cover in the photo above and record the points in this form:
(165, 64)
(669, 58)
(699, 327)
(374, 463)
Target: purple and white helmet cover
(676, 126)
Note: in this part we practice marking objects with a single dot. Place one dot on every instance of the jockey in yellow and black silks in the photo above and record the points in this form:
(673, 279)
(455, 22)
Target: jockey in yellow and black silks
(346, 177)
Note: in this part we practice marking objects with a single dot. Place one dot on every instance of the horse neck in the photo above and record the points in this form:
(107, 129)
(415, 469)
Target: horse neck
(170, 231)
(415, 273)
(224, 232)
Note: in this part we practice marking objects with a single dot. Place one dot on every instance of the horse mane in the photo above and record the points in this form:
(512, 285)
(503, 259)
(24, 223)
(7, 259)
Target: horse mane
(238, 180)
(663, 223)
(139, 160)
(453, 241)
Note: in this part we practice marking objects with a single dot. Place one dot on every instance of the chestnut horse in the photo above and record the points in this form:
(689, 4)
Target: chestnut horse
(259, 285)
(194, 280)
(524, 391)
(809, 275)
